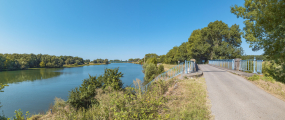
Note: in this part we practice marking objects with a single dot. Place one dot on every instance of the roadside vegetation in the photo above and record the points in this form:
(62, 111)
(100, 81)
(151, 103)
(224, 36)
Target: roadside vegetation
(265, 29)
(104, 97)
(272, 79)
(151, 70)
(188, 100)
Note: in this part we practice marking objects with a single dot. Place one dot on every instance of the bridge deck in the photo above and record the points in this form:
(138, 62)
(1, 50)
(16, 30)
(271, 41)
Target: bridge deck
(233, 97)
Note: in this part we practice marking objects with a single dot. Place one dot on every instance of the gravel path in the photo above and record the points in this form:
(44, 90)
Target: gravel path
(233, 97)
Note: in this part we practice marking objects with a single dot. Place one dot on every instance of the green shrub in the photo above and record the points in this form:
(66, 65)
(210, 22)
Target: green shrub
(152, 60)
(150, 72)
(253, 78)
(160, 69)
(83, 95)
(274, 70)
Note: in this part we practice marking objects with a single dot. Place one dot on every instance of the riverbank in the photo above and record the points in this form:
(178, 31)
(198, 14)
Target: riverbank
(72, 65)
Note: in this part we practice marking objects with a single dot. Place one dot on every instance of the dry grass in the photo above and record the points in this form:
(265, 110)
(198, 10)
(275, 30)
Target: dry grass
(188, 100)
(275, 88)
(167, 66)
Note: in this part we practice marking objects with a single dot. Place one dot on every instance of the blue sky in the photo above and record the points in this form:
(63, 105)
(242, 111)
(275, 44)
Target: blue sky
(112, 29)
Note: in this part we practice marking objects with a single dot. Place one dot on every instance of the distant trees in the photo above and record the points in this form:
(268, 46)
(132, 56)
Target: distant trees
(24, 61)
(106, 61)
(134, 60)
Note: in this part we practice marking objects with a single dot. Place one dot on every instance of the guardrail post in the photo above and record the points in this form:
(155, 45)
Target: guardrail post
(254, 60)
(233, 64)
(185, 67)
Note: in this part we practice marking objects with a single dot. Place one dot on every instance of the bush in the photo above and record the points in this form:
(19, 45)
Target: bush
(152, 60)
(274, 70)
(253, 78)
(150, 72)
(160, 69)
(111, 78)
(83, 96)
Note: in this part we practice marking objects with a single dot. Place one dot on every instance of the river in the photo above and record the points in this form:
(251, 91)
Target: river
(35, 90)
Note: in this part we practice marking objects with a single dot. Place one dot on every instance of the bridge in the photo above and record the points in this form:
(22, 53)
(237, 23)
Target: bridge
(231, 95)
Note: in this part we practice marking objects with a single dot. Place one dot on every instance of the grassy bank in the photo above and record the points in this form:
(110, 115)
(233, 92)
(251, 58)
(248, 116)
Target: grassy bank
(188, 100)
(269, 85)
(72, 65)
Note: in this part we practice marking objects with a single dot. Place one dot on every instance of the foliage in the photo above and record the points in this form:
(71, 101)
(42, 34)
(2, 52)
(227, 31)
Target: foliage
(253, 78)
(150, 55)
(112, 79)
(264, 26)
(98, 61)
(19, 115)
(106, 61)
(134, 60)
(216, 41)
(131, 103)
(160, 69)
(152, 61)
(257, 57)
(83, 96)
(25, 61)
(150, 71)
(274, 70)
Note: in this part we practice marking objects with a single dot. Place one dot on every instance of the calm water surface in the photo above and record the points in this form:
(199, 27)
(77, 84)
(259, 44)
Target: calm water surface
(35, 90)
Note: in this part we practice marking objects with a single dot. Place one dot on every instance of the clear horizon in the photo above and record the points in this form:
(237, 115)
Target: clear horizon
(107, 29)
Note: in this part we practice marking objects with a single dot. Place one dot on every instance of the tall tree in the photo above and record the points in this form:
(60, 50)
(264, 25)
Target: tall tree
(264, 26)
(221, 39)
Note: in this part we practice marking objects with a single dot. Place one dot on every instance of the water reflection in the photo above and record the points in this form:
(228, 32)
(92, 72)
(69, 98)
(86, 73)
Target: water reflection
(8, 77)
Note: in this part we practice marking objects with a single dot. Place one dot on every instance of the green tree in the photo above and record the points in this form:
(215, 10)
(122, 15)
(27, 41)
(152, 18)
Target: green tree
(150, 72)
(152, 60)
(106, 61)
(264, 26)
(160, 69)
(221, 39)
(83, 96)
(42, 64)
(2, 60)
(112, 79)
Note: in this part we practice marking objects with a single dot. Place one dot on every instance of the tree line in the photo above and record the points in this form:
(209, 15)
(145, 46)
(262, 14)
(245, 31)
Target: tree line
(24, 61)
(100, 61)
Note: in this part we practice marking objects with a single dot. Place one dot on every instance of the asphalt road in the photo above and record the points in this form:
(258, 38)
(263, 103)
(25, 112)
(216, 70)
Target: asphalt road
(233, 97)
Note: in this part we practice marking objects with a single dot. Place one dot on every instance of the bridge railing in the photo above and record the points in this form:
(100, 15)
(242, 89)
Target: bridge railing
(187, 67)
(251, 65)
(226, 63)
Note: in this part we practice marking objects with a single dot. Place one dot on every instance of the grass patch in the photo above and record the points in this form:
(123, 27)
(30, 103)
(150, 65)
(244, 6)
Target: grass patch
(189, 100)
(168, 66)
(269, 85)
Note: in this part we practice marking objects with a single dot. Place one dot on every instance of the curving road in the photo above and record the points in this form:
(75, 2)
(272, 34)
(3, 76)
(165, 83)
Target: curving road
(233, 97)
